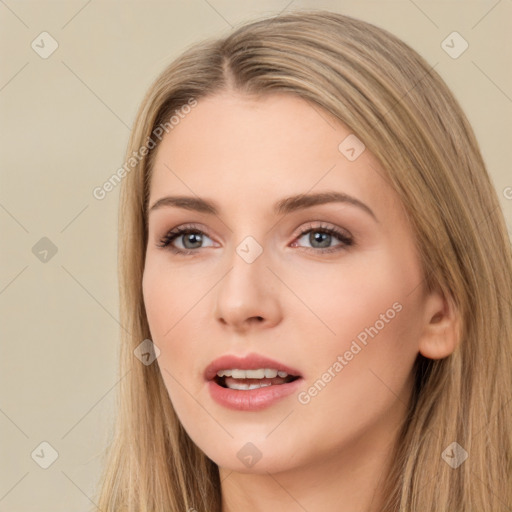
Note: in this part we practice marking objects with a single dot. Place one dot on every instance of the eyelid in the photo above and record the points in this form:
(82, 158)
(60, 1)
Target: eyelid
(321, 225)
(345, 239)
(176, 232)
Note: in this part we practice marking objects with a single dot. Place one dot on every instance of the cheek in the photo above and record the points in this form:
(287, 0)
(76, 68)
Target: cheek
(342, 300)
(168, 296)
(362, 377)
(367, 314)
(173, 309)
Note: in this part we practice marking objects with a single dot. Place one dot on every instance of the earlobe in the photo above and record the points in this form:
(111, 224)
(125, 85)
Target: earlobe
(441, 331)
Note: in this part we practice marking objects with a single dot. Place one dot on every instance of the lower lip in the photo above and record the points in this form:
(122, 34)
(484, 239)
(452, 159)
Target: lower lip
(251, 399)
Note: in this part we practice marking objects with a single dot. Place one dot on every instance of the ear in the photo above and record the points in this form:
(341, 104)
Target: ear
(441, 331)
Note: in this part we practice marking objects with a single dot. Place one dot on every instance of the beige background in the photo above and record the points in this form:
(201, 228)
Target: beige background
(65, 125)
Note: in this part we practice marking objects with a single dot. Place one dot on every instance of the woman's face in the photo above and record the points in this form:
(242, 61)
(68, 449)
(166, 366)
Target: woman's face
(342, 309)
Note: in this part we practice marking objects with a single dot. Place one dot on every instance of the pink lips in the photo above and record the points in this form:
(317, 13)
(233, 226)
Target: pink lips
(253, 399)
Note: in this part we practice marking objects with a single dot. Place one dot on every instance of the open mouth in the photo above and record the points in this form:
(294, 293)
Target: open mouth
(245, 380)
(250, 383)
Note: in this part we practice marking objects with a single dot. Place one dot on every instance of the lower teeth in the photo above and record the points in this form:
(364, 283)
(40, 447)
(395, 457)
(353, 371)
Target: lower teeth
(244, 386)
(248, 384)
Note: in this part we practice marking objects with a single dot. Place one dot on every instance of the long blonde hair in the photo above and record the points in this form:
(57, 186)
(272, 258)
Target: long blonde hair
(406, 116)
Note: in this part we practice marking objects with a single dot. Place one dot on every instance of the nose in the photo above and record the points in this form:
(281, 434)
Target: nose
(247, 295)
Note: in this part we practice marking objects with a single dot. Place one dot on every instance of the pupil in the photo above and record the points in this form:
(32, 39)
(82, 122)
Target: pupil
(190, 238)
(317, 237)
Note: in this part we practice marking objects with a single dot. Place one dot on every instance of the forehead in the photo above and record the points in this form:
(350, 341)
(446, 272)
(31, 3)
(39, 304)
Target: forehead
(262, 149)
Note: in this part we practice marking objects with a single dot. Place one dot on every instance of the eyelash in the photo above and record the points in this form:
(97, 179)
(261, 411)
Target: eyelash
(166, 241)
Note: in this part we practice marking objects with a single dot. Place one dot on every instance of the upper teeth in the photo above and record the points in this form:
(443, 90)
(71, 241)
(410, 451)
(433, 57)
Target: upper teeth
(261, 373)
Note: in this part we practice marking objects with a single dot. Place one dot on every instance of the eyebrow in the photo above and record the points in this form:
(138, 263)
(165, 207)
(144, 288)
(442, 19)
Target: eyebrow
(283, 206)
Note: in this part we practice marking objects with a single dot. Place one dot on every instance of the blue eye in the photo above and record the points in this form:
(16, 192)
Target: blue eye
(323, 236)
(192, 238)
(188, 235)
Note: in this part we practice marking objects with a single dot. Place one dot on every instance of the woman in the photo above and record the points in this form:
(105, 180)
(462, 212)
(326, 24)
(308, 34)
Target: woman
(316, 279)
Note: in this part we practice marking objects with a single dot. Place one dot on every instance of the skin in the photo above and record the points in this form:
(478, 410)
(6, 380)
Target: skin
(245, 154)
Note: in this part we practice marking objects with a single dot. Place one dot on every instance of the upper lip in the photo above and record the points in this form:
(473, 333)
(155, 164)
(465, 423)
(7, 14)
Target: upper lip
(248, 362)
